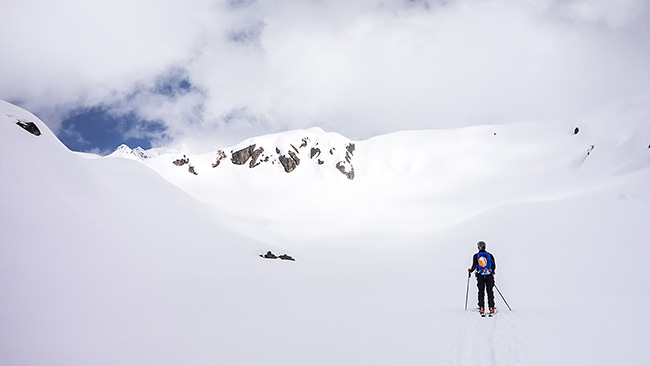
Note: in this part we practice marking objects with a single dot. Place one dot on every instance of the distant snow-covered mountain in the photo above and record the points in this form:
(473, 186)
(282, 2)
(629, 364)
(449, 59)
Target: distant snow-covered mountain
(449, 175)
(287, 151)
(139, 153)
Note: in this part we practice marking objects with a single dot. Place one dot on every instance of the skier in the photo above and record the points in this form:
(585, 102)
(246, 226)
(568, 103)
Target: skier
(485, 266)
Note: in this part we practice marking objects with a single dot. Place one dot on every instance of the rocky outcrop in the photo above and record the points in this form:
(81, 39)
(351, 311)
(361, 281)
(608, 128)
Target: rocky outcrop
(343, 169)
(349, 151)
(220, 156)
(182, 161)
(350, 148)
(29, 127)
(288, 154)
(254, 156)
(288, 151)
(315, 152)
(289, 163)
(270, 255)
(295, 157)
(240, 157)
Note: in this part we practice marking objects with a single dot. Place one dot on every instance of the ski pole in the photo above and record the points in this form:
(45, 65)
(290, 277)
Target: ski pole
(467, 291)
(504, 299)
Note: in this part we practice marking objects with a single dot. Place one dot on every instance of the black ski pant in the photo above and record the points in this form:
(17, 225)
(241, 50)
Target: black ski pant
(485, 282)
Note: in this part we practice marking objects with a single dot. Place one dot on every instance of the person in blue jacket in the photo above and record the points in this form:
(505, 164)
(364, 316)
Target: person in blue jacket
(485, 266)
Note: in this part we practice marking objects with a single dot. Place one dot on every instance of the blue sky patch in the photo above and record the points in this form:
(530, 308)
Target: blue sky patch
(97, 130)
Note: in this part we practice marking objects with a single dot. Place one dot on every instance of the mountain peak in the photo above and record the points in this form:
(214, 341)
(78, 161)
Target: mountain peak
(125, 151)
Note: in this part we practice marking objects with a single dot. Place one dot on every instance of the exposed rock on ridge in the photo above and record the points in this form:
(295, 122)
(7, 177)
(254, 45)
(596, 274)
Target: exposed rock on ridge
(29, 127)
(288, 156)
(288, 150)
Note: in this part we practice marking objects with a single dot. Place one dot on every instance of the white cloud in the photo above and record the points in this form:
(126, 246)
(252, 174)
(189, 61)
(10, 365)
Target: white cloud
(360, 68)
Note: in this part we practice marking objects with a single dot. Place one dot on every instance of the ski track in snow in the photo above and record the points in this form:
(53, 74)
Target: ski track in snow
(487, 341)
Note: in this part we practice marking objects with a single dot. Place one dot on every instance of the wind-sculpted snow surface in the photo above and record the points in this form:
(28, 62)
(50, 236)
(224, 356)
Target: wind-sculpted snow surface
(113, 261)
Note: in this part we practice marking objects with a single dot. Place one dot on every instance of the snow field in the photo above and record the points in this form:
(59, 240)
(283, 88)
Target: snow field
(103, 261)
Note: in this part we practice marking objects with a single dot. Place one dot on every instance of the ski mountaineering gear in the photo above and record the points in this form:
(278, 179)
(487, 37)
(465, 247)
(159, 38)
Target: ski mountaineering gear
(504, 299)
(469, 274)
(485, 266)
(491, 262)
(484, 261)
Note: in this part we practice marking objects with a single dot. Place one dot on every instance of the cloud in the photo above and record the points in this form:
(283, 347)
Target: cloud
(233, 69)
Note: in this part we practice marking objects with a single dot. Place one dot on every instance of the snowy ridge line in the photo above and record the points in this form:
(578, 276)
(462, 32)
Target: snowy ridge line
(287, 150)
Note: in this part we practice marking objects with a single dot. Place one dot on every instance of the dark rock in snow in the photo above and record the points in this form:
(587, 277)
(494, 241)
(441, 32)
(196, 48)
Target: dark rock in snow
(241, 156)
(350, 148)
(29, 127)
(590, 149)
(294, 157)
(220, 156)
(288, 155)
(286, 257)
(341, 167)
(256, 154)
(315, 152)
(182, 161)
(289, 163)
(576, 131)
(269, 255)
(192, 170)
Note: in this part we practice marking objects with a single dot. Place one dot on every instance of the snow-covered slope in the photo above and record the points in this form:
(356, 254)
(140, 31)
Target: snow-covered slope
(444, 176)
(103, 261)
(97, 256)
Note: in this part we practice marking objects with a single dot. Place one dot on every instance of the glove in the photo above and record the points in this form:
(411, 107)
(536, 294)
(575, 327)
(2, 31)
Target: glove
(469, 270)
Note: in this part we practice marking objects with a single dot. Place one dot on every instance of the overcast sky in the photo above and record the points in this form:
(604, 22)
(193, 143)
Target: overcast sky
(163, 71)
